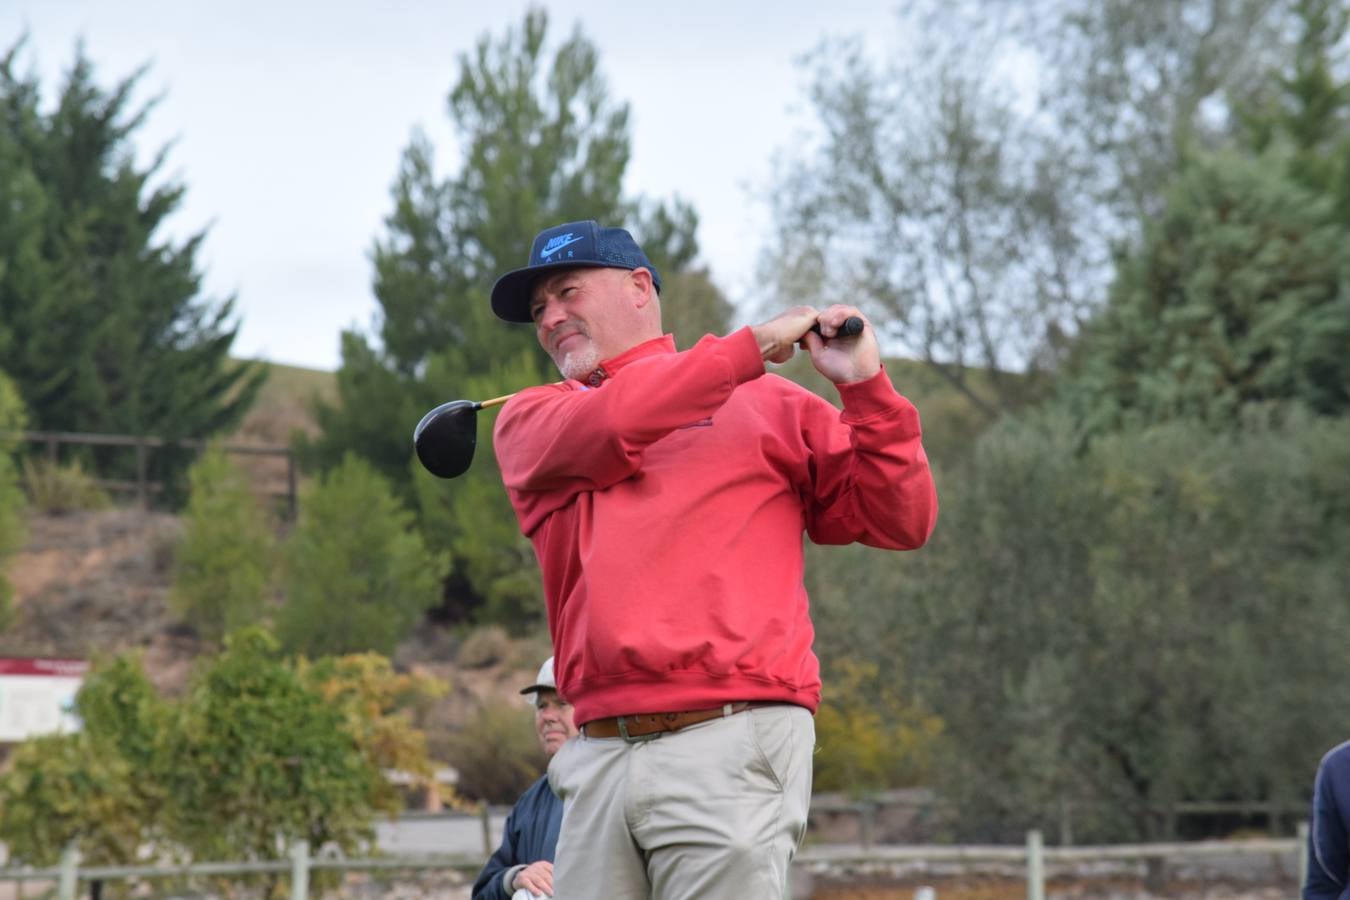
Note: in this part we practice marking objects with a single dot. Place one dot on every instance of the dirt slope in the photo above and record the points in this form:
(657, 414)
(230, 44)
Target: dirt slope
(89, 583)
(97, 582)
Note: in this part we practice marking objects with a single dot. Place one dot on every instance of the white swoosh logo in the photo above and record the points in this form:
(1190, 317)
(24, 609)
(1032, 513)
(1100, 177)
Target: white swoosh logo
(550, 249)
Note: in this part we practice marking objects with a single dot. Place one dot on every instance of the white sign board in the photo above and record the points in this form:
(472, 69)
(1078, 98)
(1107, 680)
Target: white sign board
(37, 696)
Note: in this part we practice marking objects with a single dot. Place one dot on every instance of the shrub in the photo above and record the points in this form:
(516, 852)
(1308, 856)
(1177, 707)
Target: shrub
(380, 707)
(259, 752)
(57, 489)
(486, 646)
(223, 564)
(255, 754)
(1092, 625)
(870, 737)
(358, 576)
(497, 754)
(98, 788)
(69, 788)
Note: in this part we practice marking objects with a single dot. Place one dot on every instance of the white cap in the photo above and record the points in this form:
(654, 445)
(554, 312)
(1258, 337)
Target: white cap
(544, 680)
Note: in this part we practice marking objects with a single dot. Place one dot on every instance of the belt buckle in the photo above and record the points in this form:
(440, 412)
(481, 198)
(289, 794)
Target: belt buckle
(634, 739)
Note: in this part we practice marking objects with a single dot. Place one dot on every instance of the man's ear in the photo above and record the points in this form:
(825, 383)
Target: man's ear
(641, 279)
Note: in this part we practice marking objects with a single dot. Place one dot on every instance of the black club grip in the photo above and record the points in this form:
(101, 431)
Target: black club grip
(852, 327)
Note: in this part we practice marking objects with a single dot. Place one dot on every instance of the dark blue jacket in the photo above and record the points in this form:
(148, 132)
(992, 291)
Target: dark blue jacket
(1328, 842)
(530, 834)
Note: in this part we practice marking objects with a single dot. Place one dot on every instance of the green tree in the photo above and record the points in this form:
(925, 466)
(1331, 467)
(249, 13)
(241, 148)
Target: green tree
(976, 226)
(118, 704)
(64, 789)
(55, 488)
(691, 304)
(258, 760)
(543, 143)
(12, 503)
(1303, 115)
(1238, 295)
(223, 563)
(380, 707)
(21, 227)
(917, 204)
(1122, 629)
(96, 789)
(258, 753)
(869, 735)
(1136, 87)
(358, 576)
(497, 754)
(106, 329)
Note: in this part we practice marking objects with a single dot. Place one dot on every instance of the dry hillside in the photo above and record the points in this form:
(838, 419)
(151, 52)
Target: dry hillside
(94, 583)
(97, 582)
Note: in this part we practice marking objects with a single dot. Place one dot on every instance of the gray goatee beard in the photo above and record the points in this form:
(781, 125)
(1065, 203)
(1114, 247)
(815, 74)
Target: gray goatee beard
(578, 364)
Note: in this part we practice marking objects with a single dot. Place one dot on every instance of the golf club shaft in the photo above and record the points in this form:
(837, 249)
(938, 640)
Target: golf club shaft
(495, 401)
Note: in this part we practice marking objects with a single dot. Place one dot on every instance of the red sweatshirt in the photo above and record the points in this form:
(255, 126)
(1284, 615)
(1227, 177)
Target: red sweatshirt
(667, 505)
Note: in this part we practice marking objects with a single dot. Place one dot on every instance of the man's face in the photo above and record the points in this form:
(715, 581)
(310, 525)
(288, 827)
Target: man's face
(552, 721)
(584, 316)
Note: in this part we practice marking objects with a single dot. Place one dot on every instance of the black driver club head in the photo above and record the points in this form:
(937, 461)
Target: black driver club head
(446, 437)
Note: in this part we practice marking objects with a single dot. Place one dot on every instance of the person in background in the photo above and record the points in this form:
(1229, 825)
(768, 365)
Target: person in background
(523, 865)
(1329, 836)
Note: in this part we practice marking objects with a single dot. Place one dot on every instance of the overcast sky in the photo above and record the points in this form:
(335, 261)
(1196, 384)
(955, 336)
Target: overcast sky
(289, 118)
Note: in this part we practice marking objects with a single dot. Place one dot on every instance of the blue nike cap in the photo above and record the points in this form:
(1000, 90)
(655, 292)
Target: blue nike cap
(573, 245)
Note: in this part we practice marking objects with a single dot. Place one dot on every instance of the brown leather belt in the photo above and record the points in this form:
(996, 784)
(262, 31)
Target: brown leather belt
(650, 725)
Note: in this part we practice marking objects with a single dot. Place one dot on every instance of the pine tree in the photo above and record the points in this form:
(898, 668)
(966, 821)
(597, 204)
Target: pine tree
(543, 144)
(1238, 295)
(358, 576)
(223, 564)
(11, 497)
(1304, 118)
(106, 329)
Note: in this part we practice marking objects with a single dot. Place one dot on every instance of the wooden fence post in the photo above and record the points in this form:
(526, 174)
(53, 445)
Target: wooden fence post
(1302, 855)
(300, 870)
(487, 830)
(866, 819)
(1156, 874)
(68, 881)
(142, 473)
(290, 485)
(1035, 866)
(1065, 823)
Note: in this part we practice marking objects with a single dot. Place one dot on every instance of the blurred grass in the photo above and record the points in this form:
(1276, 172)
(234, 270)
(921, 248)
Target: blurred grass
(283, 407)
(285, 404)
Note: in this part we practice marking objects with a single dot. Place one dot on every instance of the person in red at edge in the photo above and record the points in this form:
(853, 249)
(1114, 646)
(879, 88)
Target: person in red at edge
(666, 494)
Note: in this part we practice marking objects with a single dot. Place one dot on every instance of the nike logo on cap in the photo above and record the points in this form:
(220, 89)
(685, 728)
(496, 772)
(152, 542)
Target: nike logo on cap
(557, 243)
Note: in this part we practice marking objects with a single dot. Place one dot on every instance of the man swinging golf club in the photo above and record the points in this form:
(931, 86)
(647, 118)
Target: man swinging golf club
(666, 494)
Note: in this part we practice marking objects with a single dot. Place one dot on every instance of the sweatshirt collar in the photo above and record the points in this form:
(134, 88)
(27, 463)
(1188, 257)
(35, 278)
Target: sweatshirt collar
(610, 367)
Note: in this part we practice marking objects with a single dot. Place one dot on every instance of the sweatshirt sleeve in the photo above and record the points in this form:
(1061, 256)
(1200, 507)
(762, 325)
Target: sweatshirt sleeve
(489, 885)
(871, 479)
(564, 441)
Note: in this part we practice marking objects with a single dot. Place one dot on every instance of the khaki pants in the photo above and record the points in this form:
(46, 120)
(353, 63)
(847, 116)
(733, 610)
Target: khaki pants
(715, 810)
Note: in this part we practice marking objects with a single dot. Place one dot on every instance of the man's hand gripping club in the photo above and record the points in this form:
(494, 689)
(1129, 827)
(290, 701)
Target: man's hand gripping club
(840, 359)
